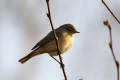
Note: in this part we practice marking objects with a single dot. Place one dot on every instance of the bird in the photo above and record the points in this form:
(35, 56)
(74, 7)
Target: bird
(65, 36)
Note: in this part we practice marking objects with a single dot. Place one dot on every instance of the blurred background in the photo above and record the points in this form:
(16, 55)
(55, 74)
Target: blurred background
(23, 23)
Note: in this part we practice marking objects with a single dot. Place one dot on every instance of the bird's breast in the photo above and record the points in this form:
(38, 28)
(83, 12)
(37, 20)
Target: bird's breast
(66, 42)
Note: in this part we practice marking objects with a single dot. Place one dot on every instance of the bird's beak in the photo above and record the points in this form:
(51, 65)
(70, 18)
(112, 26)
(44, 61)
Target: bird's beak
(77, 32)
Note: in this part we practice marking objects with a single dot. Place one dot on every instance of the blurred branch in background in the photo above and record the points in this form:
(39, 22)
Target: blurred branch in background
(55, 37)
(111, 47)
(111, 11)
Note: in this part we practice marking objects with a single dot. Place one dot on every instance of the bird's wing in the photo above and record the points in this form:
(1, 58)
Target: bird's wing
(46, 39)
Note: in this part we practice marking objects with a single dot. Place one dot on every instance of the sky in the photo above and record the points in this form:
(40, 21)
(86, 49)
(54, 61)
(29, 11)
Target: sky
(24, 23)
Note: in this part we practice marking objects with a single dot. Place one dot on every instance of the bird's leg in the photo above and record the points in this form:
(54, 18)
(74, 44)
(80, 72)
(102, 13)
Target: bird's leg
(56, 60)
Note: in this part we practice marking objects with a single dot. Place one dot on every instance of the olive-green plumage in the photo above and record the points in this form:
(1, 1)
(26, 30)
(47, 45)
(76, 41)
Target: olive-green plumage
(65, 35)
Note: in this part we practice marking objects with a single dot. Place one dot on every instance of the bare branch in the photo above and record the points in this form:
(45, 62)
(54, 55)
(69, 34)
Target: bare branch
(111, 47)
(56, 39)
(111, 11)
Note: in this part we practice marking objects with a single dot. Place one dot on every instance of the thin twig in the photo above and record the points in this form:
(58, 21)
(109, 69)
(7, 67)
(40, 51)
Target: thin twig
(111, 11)
(111, 47)
(56, 40)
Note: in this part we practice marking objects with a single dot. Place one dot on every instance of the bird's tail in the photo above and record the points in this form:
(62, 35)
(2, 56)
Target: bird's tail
(29, 56)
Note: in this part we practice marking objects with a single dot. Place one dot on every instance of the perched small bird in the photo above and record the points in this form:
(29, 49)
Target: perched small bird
(65, 35)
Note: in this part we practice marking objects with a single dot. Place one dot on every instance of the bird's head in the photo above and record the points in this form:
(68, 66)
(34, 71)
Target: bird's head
(69, 28)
